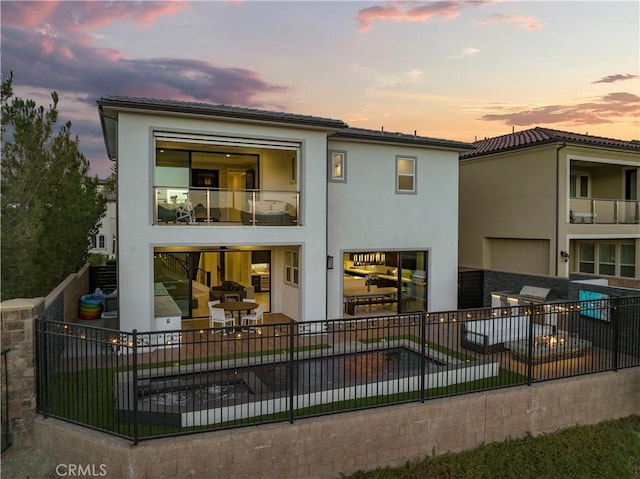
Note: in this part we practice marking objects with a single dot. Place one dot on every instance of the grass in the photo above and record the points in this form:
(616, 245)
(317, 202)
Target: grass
(88, 396)
(609, 450)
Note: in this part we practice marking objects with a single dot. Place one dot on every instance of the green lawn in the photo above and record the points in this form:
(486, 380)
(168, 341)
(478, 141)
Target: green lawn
(609, 450)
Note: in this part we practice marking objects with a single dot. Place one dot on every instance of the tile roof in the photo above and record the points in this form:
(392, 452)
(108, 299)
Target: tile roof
(539, 136)
(218, 110)
(394, 137)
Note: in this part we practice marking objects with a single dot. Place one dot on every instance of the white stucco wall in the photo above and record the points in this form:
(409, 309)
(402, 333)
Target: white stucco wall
(108, 230)
(137, 236)
(365, 213)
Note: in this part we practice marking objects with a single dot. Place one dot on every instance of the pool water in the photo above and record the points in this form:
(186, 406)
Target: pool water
(309, 375)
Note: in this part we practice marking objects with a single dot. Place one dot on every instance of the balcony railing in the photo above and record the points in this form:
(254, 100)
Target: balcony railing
(205, 206)
(598, 211)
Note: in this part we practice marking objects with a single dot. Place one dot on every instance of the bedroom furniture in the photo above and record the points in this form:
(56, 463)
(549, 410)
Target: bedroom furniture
(269, 213)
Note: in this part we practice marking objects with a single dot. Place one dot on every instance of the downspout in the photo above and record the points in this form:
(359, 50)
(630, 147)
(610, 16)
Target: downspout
(557, 252)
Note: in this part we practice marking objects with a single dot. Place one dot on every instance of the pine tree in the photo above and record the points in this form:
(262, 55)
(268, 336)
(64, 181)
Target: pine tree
(49, 205)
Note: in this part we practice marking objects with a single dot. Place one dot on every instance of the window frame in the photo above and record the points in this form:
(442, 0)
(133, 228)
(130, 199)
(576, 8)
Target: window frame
(578, 176)
(292, 267)
(413, 175)
(597, 261)
(342, 178)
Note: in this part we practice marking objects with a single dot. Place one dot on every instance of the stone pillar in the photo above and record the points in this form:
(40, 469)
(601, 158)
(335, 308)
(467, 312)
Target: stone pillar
(18, 337)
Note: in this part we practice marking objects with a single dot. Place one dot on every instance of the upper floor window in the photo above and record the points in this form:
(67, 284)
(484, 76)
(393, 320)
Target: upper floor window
(101, 241)
(406, 174)
(579, 186)
(338, 166)
(93, 242)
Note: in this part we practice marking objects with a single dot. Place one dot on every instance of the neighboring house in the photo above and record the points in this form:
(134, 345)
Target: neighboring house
(104, 241)
(292, 207)
(550, 202)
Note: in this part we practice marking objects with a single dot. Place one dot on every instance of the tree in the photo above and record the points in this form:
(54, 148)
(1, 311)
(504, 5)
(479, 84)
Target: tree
(49, 205)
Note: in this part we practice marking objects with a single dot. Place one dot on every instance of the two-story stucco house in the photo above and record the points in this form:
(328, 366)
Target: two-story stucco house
(296, 209)
(104, 241)
(550, 202)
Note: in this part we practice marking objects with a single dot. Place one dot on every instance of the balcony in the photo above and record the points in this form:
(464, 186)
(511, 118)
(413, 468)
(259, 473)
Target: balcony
(207, 206)
(604, 211)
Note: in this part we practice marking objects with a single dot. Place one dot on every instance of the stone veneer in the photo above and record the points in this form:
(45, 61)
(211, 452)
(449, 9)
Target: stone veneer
(325, 447)
(18, 337)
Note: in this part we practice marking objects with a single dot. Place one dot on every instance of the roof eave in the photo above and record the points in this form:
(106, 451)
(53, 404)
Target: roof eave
(550, 141)
(392, 138)
(256, 116)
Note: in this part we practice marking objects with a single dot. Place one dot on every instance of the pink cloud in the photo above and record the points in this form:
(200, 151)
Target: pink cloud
(527, 22)
(84, 16)
(446, 9)
(26, 14)
(606, 109)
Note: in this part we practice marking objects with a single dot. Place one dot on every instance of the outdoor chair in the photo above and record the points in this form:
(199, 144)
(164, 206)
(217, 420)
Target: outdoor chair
(254, 318)
(213, 303)
(218, 318)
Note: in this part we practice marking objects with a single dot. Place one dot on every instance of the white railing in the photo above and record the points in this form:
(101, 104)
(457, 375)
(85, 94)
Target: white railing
(599, 211)
(205, 206)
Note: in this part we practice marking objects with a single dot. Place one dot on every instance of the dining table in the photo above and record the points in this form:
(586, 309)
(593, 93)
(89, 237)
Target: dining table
(237, 307)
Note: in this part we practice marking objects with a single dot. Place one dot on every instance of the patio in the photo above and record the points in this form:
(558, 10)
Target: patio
(78, 364)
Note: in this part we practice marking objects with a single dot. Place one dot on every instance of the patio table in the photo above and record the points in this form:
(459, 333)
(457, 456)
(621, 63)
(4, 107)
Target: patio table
(237, 307)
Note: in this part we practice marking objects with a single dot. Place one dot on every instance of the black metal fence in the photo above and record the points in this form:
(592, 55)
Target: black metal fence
(156, 384)
(4, 377)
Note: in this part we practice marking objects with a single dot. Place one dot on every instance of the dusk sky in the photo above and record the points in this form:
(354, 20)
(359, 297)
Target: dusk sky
(451, 69)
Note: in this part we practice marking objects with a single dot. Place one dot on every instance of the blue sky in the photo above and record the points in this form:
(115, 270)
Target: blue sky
(451, 69)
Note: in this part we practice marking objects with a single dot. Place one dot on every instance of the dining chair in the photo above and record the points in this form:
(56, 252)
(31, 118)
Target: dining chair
(217, 317)
(217, 301)
(254, 318)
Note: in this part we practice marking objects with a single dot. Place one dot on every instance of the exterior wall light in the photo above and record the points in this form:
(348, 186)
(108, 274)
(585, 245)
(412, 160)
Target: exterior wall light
(565, 256)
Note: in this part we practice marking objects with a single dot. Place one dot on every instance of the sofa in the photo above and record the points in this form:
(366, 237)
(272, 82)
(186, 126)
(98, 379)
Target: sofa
(490, 335)
(227, 289)
(270, 212)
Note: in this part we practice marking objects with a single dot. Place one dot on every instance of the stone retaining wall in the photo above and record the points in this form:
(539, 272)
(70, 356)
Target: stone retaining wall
(327, 446)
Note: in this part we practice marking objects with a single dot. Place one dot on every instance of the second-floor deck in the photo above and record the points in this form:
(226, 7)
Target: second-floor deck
(207, 206)
(604, 211)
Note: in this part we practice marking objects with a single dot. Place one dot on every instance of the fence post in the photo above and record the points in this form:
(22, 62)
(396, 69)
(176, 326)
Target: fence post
(42, 391)
(291, 369)
(135, 386)
(423, 352)
(615, 316)
(6, 438)
(530, 345)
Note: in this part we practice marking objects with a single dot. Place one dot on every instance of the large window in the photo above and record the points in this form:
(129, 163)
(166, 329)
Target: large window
(385, 281)
(406, 175)
(605, 258)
